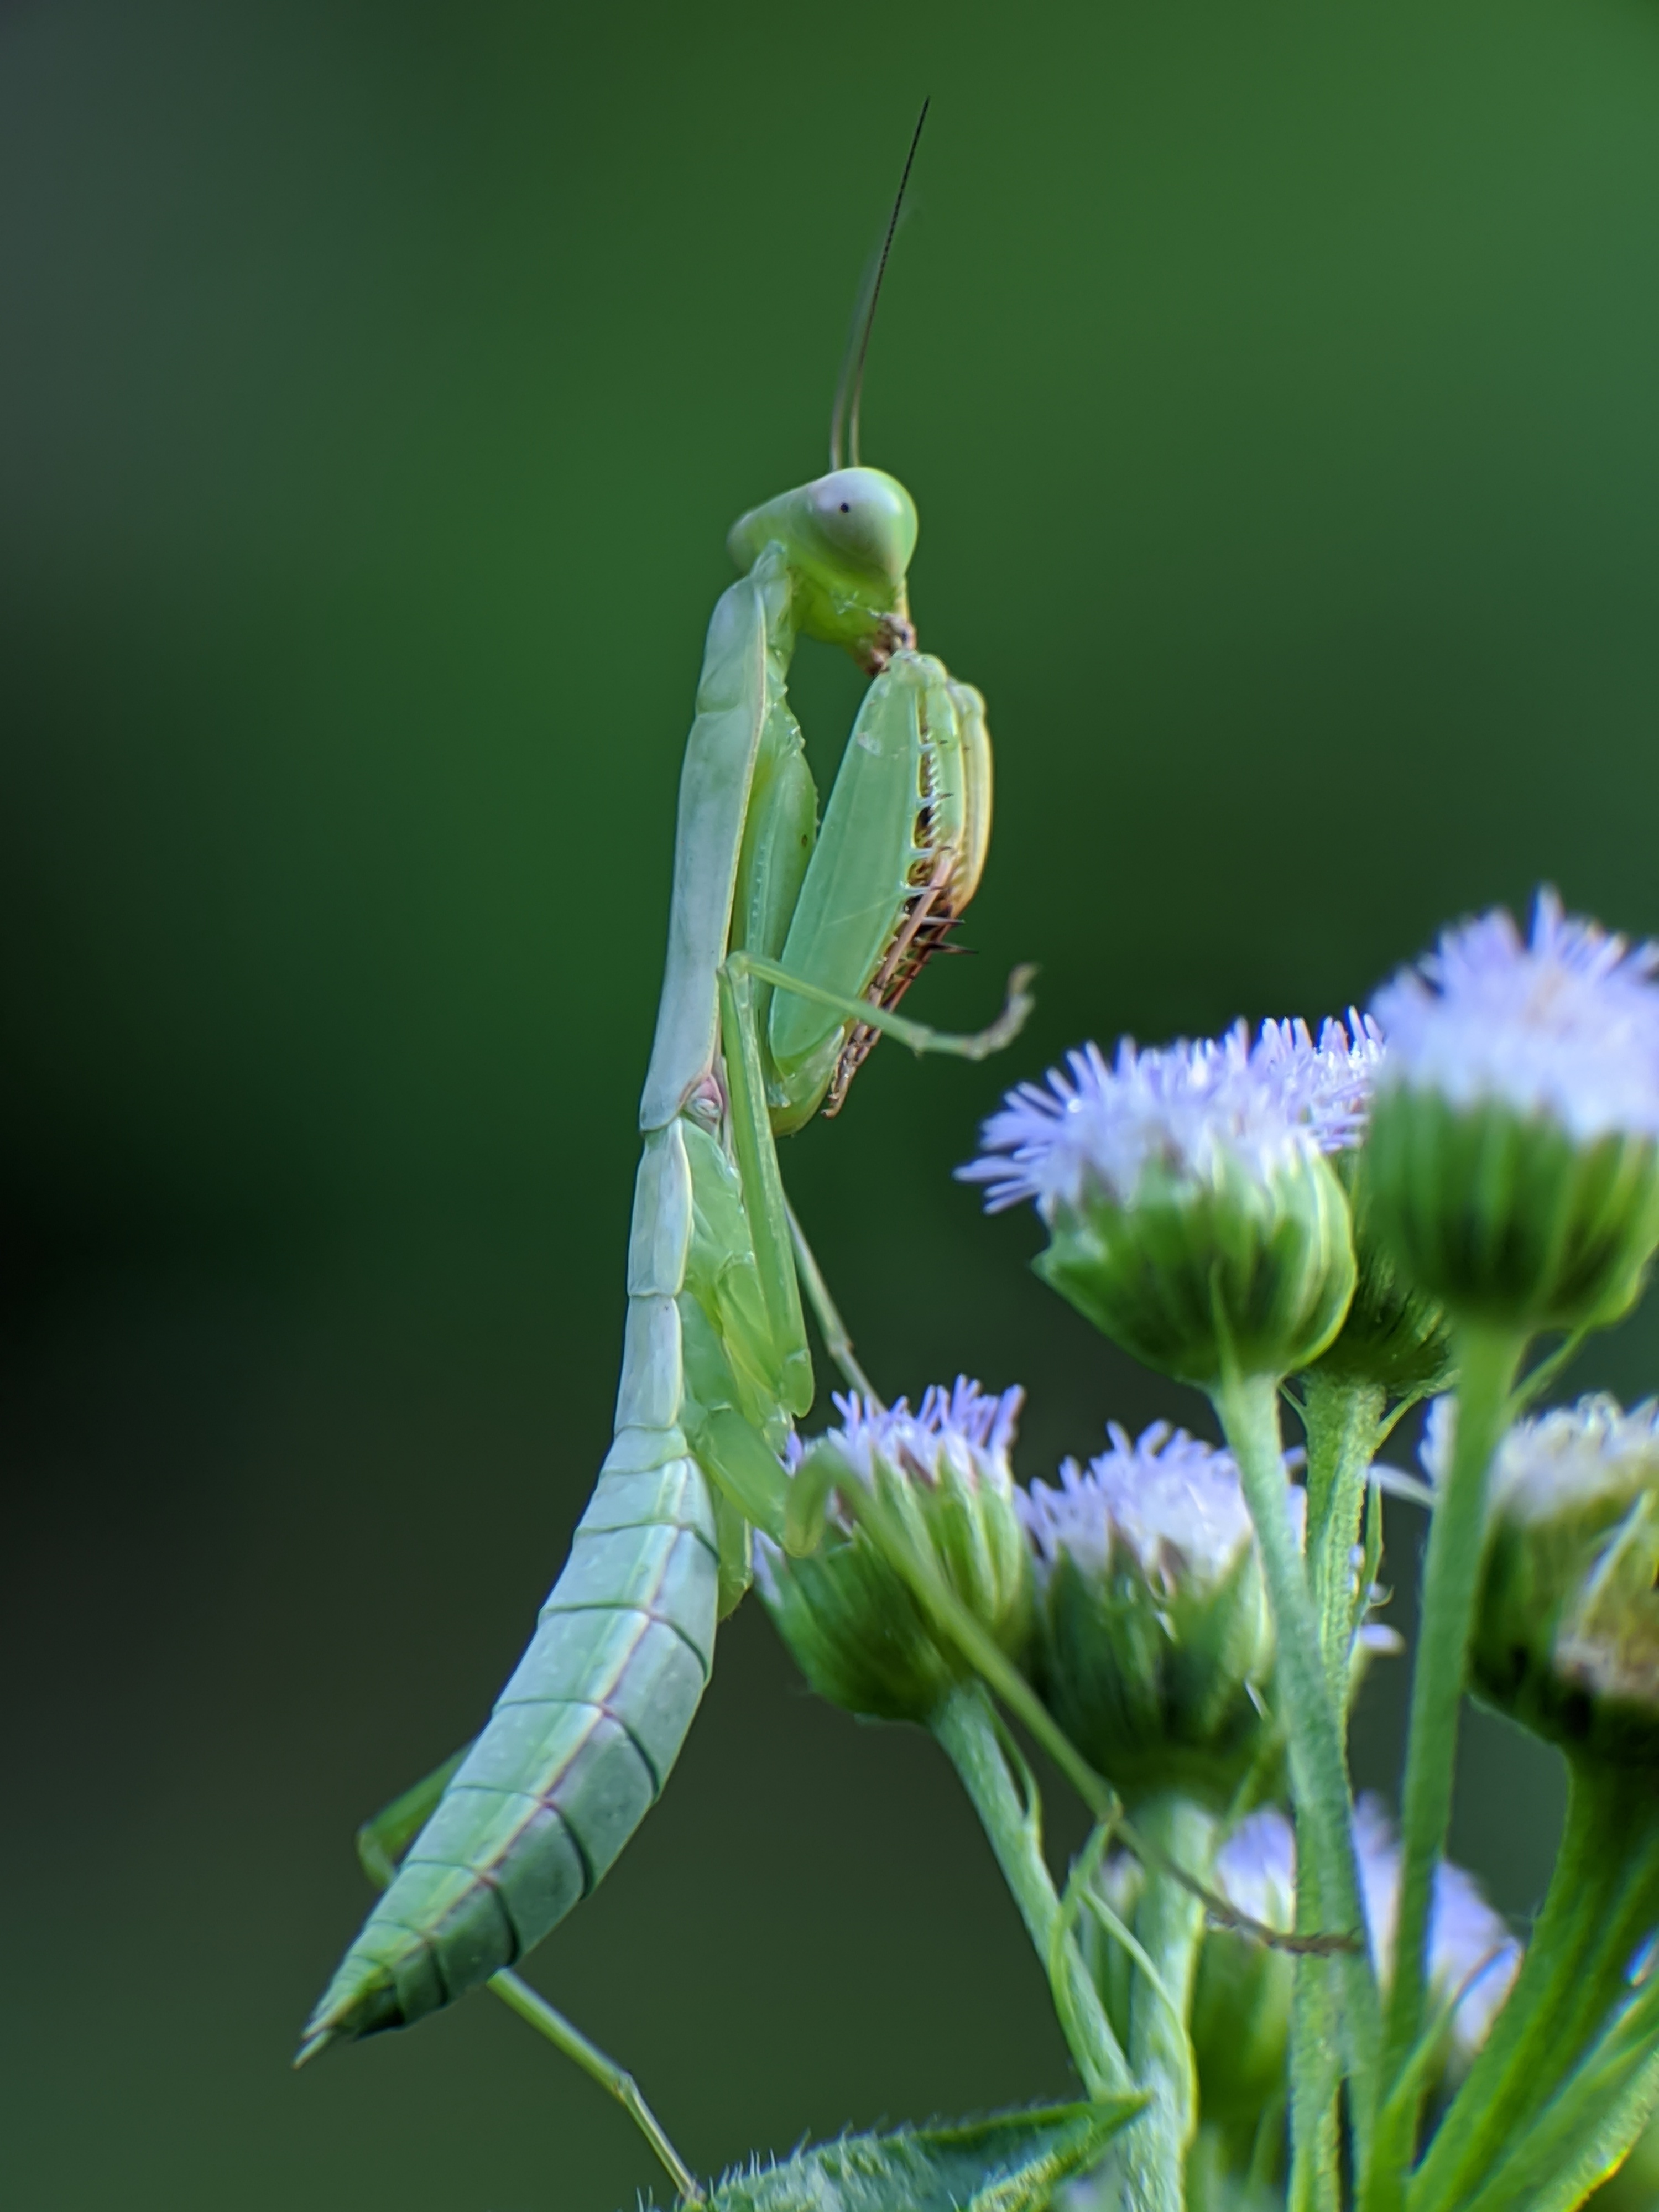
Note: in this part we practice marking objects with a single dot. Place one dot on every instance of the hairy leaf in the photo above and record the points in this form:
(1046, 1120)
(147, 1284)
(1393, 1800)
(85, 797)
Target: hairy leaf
(1011, 2163)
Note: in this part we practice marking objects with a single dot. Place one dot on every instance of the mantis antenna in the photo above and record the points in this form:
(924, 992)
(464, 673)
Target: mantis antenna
(851, 386)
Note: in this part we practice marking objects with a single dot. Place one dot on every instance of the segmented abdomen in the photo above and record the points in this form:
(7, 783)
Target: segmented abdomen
(582, 1737)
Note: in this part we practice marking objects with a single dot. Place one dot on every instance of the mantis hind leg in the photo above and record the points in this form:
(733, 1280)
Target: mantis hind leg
(382, 1841)
(837, 1342)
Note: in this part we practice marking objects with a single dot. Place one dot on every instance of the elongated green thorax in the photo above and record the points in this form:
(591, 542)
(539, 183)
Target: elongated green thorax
(848, 538)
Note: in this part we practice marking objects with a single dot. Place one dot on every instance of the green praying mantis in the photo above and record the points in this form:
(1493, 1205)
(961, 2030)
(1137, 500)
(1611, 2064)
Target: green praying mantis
(789, 946)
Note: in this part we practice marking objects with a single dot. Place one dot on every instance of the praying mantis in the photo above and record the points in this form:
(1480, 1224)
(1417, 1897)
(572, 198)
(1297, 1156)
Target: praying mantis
(789, 947)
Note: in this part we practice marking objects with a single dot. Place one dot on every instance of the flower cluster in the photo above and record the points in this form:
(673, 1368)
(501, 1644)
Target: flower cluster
(1351, 1219)
(1193, 1212)
(1574, 1460)
(956, 1429)
(1163, 1500)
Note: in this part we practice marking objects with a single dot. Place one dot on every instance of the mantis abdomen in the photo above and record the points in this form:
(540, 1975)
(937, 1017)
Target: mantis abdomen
(583, 1736)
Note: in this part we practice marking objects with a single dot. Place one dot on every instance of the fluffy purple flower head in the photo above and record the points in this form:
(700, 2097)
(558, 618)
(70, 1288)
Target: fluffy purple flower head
(964, 1428)
(943, 1474)
(1173, 1503)
(1560, 1462)
(1266, 1102)
(1564, 1024)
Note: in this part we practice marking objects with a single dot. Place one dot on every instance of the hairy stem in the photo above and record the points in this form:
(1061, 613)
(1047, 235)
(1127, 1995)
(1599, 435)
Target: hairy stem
(1342, 1420)
(967, 1732)
(1315, 2072)
(1248, 1406)
(1169, 1926)
(1488, 1359)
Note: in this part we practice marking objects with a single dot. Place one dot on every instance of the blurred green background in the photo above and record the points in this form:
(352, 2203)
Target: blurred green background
(1277, 384)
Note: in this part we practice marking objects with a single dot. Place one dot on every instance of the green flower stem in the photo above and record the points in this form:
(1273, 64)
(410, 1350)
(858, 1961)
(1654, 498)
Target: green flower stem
(1316, 2183)
(1488, 1357)
(1211, 2184)
(1603, 1898)
(1170, 1926)
(967, 1731)
(1248, 1408)
(1343, 1420)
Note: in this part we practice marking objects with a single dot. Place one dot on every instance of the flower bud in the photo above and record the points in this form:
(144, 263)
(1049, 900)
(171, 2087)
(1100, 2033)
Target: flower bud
(1154, 1645)
(1192, 1213)
(1242, 1991)
(1567, 1638)
(1473, 1958)
(1513, 1161)
(857, 1635)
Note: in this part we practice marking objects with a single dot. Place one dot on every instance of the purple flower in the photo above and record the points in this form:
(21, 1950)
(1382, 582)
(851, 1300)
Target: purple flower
(1564, 1025)
(1181, 1106)
(964, 1426)
(1174, 1505)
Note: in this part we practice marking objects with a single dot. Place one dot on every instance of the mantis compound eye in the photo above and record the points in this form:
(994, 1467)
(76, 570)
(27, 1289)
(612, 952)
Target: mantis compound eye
(847, 540)
(867, 520)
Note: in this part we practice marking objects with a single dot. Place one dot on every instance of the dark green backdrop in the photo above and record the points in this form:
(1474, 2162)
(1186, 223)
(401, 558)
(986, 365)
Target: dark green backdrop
(377, 383)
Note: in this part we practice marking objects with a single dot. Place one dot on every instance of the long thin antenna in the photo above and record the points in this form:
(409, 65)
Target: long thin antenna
(851, 368)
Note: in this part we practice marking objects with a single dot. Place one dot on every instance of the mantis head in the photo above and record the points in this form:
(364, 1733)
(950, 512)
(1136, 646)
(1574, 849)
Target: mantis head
(847, 537)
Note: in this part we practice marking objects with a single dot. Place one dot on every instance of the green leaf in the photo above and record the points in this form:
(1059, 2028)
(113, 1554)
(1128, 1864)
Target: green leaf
(1011, 2163)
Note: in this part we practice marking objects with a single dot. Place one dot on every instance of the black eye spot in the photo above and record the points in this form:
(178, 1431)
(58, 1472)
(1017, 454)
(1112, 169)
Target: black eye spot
(845, 508)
